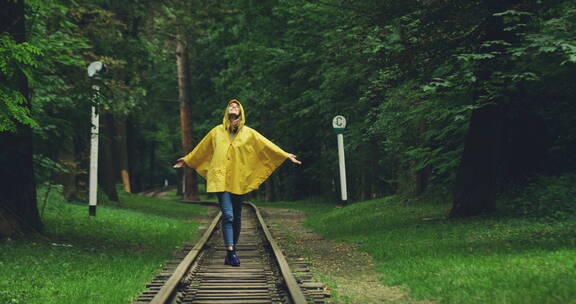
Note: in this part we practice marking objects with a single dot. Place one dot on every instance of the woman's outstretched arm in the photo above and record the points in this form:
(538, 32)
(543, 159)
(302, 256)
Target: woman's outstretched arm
(199, 158)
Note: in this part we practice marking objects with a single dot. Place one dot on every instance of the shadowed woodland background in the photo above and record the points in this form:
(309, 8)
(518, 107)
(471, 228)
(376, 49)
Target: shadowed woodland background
(470, 101)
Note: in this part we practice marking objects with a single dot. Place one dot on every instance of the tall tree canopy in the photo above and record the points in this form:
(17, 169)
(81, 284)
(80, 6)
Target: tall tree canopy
(462, 96)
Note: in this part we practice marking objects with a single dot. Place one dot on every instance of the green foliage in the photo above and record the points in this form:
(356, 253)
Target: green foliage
(51, 45)
(69, 35)
(556, 35)
(15, 59)
(406, 76)
(548, 196)
(47, 166)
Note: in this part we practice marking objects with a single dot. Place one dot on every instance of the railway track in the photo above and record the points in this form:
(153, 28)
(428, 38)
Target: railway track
(264, 276)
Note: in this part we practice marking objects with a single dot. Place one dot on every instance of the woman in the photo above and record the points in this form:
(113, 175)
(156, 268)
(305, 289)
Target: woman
(235, 159)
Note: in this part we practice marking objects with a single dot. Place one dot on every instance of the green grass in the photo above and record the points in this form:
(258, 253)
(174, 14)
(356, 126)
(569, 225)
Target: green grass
(202, 195)
(309, 207)
(479, 260)
(102, 259)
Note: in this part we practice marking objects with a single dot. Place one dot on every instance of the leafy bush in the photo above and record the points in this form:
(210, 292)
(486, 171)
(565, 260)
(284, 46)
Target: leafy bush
(553, 197)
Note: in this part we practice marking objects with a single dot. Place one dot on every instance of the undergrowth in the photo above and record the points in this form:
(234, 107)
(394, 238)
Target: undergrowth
(499, 259)
(102, 259)
(546, 196)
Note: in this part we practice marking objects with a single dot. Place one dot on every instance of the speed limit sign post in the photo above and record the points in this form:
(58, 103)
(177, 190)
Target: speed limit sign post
(339, 124)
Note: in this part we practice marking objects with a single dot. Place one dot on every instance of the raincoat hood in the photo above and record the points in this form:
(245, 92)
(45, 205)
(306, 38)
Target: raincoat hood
(226, 121)
(237, 164)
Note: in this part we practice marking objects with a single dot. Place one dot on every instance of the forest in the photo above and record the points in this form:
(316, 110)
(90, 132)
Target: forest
(470, 103)
(460, 142)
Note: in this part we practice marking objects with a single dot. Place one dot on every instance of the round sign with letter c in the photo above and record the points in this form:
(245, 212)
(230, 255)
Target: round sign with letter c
(339, 122)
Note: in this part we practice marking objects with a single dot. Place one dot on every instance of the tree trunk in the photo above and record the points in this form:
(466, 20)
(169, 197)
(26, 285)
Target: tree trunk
(67, 158)
(151, 167)
(365, 178)
(422, 178)
(476, 180)
(122, 148)
(191, 187)
(422, 175)
(179, 180)
(376, 170)
(269, 190)
(18, 209)
(133, 154)
(107, 175)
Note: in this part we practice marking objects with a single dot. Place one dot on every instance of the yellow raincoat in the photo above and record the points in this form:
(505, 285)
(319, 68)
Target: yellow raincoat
(237, 165)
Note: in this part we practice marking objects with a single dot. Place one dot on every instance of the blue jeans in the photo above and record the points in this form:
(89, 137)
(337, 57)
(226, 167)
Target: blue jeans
(231, 207)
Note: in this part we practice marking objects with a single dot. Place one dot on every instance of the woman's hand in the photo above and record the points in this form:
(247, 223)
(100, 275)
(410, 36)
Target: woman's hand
(179, 163)
(293, 159)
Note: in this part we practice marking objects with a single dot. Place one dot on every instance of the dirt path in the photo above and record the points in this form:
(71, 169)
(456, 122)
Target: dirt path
(347, 271)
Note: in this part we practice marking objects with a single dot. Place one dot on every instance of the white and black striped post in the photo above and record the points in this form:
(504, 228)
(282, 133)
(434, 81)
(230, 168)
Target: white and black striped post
(95, 70)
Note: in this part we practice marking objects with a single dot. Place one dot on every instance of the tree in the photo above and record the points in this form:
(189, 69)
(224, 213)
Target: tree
(184, 92)
(477, 180)
(18, 210)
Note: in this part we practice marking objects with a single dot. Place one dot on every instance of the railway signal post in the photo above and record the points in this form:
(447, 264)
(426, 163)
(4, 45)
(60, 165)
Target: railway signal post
(339, 124)
(95, 70)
